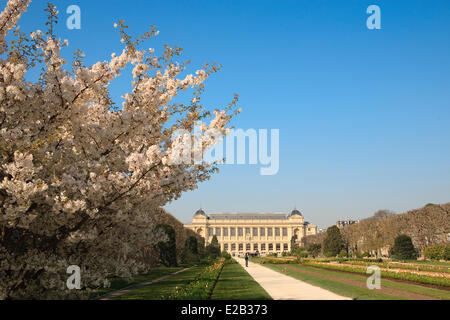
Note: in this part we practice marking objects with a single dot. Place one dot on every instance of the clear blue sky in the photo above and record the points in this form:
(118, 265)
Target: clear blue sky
(364, 115)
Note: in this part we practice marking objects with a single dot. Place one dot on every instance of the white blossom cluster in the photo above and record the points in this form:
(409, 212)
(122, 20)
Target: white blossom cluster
(79, 180)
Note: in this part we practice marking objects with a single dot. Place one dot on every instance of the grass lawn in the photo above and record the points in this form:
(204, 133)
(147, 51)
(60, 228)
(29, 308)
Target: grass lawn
(120, 283)
(156, 290)
(337, 287)
(236, 284)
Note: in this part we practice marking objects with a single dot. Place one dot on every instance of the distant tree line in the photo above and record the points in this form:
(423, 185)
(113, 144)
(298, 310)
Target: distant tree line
(426, 227)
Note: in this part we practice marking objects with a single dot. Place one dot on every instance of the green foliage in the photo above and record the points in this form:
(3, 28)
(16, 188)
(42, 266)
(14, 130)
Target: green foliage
(294, 245)
(214, 241)
(201, 287)
(343, 253)
(300, 252)
(167, 249)
(228, 258)
(191, 252)
(438, 252)
(314, 249)
(333, 243)
(403, 248)
(274, 260)
(213, 249)
(192, 245)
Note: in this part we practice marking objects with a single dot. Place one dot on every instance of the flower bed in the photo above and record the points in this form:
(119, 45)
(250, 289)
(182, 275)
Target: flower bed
(400, 265)
(409, 275)
(274, 260)
(201, 287)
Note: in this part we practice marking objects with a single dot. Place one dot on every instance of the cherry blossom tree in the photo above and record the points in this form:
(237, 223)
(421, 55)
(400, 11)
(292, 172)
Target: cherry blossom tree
(79, 175)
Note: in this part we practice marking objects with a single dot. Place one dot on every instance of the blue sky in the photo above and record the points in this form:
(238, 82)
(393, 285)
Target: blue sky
(363, 114)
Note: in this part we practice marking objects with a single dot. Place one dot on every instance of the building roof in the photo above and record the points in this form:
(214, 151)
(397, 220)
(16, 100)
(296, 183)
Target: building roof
(248, 216)
(295, 212)
(200, 212)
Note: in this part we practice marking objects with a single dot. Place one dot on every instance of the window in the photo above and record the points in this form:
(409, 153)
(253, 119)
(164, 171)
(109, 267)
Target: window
(225, 246)
(262, 232)
(278, 247)
(225, 232)
(270, 246)
(233, 232)
(263, 246)
(247, 231)
(284, 232)
(285, 247)
(269, 232)
(210, 231)
(241, 246)
(240, 233)
(255, 247)
(255, 232)
(247, 247)
(233, 246)
(218, 232)
(277, 232)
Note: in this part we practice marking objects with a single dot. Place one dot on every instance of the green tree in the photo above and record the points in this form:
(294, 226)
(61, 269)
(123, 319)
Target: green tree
(191, 252)
(314, 249)
(403, 248)
(213, 249)
(191, 245)
(333, 243)
(294, 244)
(167, 249)
(343, 253)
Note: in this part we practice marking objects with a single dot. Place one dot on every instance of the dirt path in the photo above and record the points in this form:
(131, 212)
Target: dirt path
(362, 284)
(138, 285)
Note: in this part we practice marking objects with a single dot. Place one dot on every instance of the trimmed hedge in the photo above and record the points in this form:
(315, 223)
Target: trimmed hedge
(437, 252)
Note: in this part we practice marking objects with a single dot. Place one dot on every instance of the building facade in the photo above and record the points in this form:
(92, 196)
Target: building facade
(253, 233)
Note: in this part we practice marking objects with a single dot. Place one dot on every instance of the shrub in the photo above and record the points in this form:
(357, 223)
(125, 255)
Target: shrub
(226, 255)
(447, 253)
(167, 249)
(314, 249)
(333, 242)
(438, 252)
(403, 248)
(435, 252)
(343, 254)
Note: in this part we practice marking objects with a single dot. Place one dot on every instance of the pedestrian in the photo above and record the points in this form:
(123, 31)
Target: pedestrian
(246, 259)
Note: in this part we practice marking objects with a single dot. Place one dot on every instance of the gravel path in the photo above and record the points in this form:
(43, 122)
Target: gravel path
(282, 287)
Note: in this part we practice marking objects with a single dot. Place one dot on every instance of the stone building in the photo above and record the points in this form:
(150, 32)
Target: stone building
(255, 233)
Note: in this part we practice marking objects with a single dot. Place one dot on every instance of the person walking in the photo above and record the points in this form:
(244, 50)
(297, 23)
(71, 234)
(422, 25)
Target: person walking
(246, 259)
